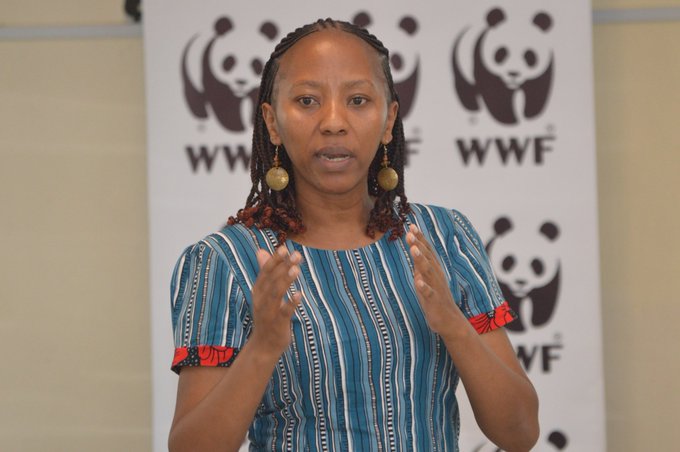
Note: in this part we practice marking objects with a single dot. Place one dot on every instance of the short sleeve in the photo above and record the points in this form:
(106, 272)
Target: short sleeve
(477, 293)
(208, 309)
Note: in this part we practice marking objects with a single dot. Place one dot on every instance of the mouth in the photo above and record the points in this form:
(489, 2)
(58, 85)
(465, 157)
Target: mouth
(519, 292)
(335, 155)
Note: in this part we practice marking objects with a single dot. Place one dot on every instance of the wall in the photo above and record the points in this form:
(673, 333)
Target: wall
(74, 311)
(637, 107)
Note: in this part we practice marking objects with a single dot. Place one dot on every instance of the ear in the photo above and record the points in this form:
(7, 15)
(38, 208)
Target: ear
(362, 19)
(550, 230)
(270, 30)
(392, 110)
(272, 126)
(495, 17)
(543, 21)
(502, 225)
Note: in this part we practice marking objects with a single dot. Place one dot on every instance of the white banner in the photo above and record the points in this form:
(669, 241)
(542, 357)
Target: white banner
(498, 112)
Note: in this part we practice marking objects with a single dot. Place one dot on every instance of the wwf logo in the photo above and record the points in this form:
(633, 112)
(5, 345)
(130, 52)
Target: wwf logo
(405, 64)
(527, 265)
(511, 68)
(230, 73)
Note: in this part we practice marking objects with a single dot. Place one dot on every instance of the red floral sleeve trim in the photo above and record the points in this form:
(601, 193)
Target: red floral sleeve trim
(491, 320)
(203, 355)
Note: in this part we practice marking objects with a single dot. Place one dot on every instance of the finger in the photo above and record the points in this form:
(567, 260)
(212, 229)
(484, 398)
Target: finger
(262, 257)
(269, 261)
(419, 243)
(421, 285)
(280, 260)
(295, 257)
(420, 239)
(422, 267)
(272, 269)
(289, 307)
(277, 276)
(420, 261)
(424, 290)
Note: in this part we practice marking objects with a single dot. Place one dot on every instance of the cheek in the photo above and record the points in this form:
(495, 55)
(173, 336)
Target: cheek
(289, 124)
(371, 123)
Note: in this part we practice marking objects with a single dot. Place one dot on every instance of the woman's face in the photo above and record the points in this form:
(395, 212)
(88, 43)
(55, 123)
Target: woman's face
(330, 111)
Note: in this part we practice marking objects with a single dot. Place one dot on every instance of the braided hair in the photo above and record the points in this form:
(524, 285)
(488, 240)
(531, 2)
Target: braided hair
(266, 208)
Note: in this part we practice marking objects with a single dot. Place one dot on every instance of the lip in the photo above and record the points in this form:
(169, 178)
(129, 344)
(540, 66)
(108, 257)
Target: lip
(334, 158)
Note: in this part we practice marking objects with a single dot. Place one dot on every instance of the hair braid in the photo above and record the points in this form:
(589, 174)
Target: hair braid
(266, 208)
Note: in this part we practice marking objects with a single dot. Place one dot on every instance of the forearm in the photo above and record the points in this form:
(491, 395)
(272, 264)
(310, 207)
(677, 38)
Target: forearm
(503, 399)
(219, 422)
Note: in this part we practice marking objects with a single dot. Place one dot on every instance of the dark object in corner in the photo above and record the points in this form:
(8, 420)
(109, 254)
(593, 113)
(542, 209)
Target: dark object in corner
(133, 9)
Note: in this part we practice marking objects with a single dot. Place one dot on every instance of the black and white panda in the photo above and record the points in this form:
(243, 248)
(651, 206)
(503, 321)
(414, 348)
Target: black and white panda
(527, 265)
(512, 67)
(229, 72)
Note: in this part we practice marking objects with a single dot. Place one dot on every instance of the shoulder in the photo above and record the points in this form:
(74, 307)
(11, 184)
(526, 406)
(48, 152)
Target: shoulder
(234, 244)
(449, 222)
(438, 215)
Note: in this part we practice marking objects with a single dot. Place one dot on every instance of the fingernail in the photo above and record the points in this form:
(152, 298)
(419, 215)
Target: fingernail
(293, 272)
(281, 251)
(415, 251)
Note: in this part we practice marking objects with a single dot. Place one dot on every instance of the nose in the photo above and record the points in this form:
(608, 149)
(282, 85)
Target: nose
(334, 119)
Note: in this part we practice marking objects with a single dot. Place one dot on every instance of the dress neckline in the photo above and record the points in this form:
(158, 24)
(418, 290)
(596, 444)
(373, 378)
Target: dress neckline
(299, 246)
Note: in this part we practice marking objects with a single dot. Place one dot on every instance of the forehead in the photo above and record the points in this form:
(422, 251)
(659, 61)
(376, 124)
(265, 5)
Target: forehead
(330, 51)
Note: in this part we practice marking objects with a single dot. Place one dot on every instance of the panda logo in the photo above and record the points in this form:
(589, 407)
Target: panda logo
(229, 78)
(528, 270)
(405, 66)
(512, 67)
(555, 441)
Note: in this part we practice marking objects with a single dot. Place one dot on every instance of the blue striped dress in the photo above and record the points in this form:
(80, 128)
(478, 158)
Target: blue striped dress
(364, 372)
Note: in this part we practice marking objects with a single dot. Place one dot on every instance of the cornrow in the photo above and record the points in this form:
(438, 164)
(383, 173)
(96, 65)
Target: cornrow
(266, 208)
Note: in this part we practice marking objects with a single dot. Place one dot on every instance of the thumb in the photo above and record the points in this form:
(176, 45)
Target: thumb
(262, 257)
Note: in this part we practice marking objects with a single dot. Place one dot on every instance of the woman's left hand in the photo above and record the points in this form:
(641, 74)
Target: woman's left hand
(495, 383)
(431, 284)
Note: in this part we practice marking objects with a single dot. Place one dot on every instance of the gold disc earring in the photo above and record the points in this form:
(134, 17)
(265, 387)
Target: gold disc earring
(277, 177)
(387, 176)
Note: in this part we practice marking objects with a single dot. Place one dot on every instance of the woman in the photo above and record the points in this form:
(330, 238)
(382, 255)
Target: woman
(327, 315)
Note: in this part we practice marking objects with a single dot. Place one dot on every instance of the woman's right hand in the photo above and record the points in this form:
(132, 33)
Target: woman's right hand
(216, 405)
(271, 312)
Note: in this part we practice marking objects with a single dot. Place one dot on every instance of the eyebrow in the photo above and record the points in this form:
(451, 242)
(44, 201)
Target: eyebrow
(315, 84)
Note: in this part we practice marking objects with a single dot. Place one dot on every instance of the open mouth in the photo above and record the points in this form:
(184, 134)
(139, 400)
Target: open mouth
(335, 154)
(334, 157)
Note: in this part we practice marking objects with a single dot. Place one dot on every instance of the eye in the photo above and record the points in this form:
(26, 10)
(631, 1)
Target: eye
(257, 66)
(508, 263)
(306, 101)
(530, 58)
(537, 266)
(358, 100)
(501, 55)
(397, 61)
(228, 63)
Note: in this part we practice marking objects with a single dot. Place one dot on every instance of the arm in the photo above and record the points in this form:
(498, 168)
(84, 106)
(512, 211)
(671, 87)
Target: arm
(503, 399)
(215, 406)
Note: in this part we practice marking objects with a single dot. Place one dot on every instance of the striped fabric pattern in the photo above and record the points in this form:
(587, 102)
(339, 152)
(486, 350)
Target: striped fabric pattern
(364, 372)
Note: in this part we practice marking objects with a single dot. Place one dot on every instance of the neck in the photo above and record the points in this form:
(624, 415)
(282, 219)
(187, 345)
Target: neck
(335, 222)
